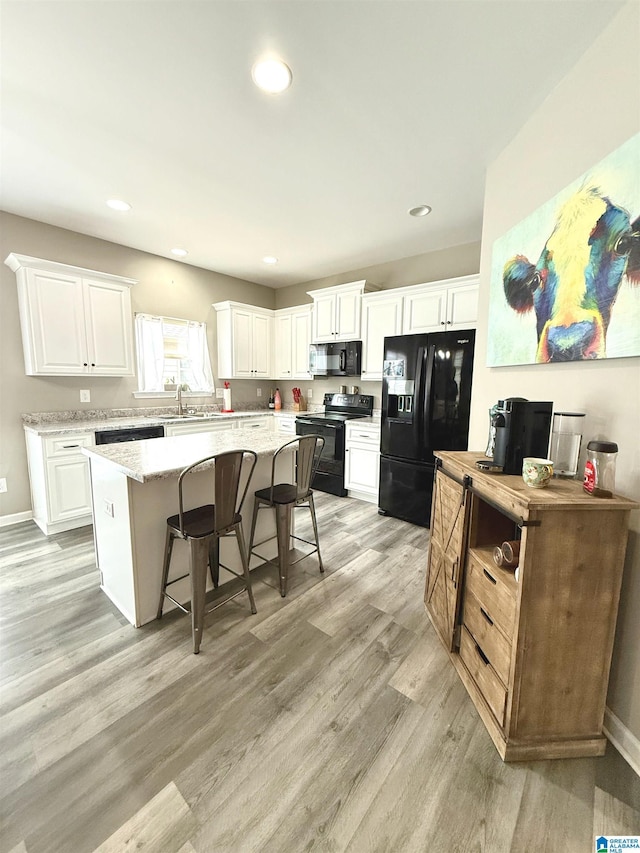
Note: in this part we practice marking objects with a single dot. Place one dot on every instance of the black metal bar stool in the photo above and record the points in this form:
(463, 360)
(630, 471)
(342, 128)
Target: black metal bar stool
(203, 528)
(284, 498)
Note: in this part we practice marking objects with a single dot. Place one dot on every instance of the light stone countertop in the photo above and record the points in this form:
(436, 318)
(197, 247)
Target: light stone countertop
(74, 426)
(163, 458)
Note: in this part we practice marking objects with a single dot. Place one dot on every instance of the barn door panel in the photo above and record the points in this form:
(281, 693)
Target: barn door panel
(442, 592)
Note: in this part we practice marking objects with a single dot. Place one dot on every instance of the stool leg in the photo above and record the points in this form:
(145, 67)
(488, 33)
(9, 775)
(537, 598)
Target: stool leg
(254, 518)
(168, 548)
(198, 558)
(315, 530)
(214, 560)
(245, 565)
(283, 532)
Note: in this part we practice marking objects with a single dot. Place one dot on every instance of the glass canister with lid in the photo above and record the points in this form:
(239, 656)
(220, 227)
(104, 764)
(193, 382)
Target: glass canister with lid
(600, 469)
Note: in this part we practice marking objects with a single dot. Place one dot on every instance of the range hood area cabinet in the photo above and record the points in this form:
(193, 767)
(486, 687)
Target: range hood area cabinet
(337, 311)
(75, 321)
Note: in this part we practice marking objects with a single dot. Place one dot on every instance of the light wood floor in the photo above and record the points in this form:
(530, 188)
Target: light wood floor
(331, 721)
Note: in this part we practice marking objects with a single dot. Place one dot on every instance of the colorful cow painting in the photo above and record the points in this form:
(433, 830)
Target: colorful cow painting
(565, 281)
(574, 284)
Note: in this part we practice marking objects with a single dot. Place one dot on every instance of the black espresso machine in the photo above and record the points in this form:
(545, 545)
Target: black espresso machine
(519, 428)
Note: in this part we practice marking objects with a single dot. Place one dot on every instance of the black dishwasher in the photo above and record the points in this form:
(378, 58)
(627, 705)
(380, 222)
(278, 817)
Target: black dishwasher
(113, 436)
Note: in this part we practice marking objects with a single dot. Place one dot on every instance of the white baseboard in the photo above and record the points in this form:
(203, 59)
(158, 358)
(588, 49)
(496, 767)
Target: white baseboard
(623, 739)
(16, 518)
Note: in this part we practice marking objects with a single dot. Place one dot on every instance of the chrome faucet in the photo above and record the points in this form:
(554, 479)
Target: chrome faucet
(179, 399)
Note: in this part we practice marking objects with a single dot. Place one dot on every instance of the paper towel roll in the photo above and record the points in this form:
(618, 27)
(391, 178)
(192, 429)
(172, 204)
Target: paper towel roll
(227, 400)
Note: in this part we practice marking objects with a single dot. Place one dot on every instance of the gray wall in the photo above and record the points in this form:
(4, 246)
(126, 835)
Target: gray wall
(165, 287)
(432, 266)
(579, 124)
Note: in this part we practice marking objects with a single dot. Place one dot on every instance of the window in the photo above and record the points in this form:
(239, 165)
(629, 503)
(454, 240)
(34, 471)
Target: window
(172, 352)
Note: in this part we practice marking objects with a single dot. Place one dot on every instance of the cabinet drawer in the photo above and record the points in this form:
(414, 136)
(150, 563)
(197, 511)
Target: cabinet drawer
(286, 424)
(66, 445)
(479, 665)
(362, 435)
(494, 592)
(480, 623)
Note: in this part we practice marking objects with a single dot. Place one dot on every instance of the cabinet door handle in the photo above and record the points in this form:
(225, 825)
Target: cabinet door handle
(490, 577)
(482, 656)
(486, 616)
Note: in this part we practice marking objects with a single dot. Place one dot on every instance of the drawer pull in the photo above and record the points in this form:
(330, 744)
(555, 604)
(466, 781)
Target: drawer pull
(482, 655)
(69, 446)
(486, 616)
(490, 577)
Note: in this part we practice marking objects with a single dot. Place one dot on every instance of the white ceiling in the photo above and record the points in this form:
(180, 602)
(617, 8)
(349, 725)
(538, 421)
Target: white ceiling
(393, 104)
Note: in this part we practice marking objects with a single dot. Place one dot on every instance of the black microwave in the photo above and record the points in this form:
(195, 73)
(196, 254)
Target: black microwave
(342, 358)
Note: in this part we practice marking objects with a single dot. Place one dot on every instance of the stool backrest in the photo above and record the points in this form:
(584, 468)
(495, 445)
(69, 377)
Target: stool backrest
(308, 451)
(227, 468)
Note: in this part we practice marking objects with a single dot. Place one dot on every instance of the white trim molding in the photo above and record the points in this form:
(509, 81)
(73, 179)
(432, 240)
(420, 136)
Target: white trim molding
(15, 518)
(623, 739)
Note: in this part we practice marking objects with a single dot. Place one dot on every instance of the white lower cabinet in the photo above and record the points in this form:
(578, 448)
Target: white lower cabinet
(59, 477)
(362, 460)
(285, 424)
(262, 422)
(259, 422)
(193, 427)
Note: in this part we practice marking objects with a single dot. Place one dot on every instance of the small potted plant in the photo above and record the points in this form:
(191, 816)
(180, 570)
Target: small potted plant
(170, 384)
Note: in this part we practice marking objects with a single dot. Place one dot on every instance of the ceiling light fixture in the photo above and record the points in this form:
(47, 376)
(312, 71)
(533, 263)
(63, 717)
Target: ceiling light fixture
(420, 210)
(181, 253)
(118, 204)
(271, 75)
(269, 259)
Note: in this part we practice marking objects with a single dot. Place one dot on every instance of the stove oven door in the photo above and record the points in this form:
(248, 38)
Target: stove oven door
(330, 474)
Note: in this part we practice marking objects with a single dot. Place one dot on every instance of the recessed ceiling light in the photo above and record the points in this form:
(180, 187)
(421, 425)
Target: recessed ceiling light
(181, 253)
(420, 210)
(118, 204)
(271, 75)
(269, 259)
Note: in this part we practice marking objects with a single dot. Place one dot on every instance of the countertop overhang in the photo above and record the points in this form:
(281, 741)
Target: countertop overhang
(164, 458)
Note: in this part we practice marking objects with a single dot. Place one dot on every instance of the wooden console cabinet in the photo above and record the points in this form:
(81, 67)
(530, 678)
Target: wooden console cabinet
(533, 649)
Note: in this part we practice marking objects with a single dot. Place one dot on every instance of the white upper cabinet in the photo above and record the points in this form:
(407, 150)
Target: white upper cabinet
(381, 316)
(244, 341)
(74, 321)
(282, 326)
(291, 345)
(337, 311)
(440, 306)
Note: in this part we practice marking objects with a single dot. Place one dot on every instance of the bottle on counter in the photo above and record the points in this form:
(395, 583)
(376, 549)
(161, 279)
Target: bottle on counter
(277, 401)
(600, 469)
(272, 402)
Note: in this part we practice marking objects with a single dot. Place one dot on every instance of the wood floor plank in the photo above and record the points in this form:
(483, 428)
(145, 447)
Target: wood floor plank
(613, 817)
(163, 825)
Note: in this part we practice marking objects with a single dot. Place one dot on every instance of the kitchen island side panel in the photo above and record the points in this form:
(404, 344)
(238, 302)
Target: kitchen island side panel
(130, 543)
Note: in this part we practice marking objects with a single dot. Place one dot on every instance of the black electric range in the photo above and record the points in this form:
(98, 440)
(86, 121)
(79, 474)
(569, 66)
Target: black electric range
(330, 424)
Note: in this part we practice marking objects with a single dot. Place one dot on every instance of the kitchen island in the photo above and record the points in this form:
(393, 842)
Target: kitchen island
(133, 491)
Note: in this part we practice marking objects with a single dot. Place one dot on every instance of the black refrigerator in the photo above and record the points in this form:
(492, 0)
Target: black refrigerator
(426, 397)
